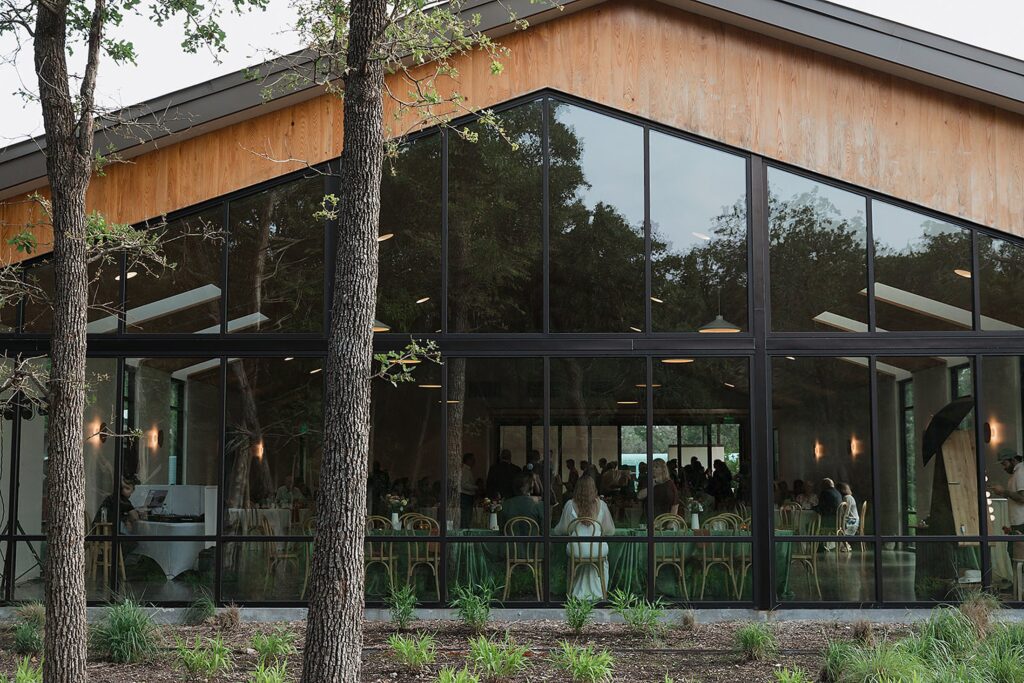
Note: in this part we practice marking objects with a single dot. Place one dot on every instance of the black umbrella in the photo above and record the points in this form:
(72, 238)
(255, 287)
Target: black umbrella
(944, 423)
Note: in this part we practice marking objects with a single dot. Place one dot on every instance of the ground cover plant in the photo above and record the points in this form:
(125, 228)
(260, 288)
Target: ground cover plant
(583, 663)
(414, 652)
(207, 659)
(126, 633)
(644, 618)
(756, 642)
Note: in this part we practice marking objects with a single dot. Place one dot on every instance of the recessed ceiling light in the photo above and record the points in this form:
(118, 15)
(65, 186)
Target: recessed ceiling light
(963, 273)
(386, 236)
(289, 358)
(635, 329)
(628, 403)
(673, 361)
(429, 386)
(131, 273)
(657, 300)
(408, 361)
(731, 386)
(644, 386)
(423, 300)
(701, 236)
(790, 358)
(315, 370)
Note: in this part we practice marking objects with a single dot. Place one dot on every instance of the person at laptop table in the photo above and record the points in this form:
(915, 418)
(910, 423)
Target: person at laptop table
(129, 514)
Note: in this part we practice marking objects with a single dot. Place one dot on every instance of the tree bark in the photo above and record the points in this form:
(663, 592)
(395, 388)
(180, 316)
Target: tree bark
(69, 130)
(335, 621)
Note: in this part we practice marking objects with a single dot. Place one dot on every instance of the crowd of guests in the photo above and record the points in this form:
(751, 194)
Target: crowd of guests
(825, 502)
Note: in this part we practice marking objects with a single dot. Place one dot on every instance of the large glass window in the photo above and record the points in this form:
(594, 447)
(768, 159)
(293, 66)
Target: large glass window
(103, 297)
(818, 255)
(273, 445)
(922, 271)
(698, 237)
(1001, 284)
(596, 190)
(184, 295)
(276, 259)
(409, 248)
(495, 227)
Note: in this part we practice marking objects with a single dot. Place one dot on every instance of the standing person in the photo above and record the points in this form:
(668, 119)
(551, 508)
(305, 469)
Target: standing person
(501, 479)
(666, 495)
(852, 522)
(720, 485)
(695, 475)
(1010, 461)
(572, 477)
(468, 490)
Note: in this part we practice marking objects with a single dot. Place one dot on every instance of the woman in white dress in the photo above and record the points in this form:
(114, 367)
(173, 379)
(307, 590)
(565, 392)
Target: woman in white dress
(585, 503)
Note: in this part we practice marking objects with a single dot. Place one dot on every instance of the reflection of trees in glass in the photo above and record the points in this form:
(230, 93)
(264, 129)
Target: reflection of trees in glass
(689, 279)
(410, 262)
(817, 257)
(495, 236)
(597, 248)
(1001, 281)
(277, 258)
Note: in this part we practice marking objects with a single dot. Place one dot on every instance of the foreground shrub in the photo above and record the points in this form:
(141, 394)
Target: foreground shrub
(578, 613)
(473, 604)
(413, 652)
(401, 602)
(881, 664)
(497, 659)
(979, 607)
(31, 613)
(205, 659)
(796, 675)
(756, 642)
(949, 633)
(834, 659)
(126, 634)
(450, 675)
(28, 639)
(1000, 663)
(273, 646)
(26, 672)
(643, 618)
(269, 673)
(583, 663)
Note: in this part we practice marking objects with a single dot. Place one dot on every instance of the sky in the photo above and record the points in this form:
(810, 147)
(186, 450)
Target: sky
(991, 24)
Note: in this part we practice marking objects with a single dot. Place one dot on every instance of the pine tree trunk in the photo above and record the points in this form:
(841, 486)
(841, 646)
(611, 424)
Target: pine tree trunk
(335, 623)
(68, 166)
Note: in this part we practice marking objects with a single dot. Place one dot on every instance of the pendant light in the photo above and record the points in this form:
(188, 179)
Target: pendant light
(719, 325)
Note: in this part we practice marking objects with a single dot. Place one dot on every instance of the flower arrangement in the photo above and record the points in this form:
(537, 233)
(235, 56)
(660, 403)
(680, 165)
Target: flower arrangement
(491, 505)
(693, 505)
(396, 503)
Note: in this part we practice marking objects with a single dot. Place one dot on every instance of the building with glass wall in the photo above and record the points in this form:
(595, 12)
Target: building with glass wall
(763, 293)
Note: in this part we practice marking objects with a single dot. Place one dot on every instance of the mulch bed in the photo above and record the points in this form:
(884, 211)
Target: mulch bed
(705, 653)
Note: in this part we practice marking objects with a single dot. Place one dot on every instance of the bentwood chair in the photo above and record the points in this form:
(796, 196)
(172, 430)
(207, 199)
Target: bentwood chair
(589, 553)
(671, 554)
(283, 553)
(719, 554)
(380, 552)
(787, 516)
(805, 553)
(861, 525)
(424, 553)
(519, 554)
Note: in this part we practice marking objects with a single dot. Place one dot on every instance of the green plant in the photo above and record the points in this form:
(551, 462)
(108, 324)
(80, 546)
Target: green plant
(413, 652)
(642, 617)
(979, 607)
(28, 639)
(401, 602)
(201, 610)
(796, 675)
(583, 663)
(834, 659)
(473, 604)
(26, 672)
(756, 641)
(1001, 664)
(31, 613)
(884, 663)
(952, 633)
(276, 645)
(497, 659)
(126, 633)
(206, 659)
(578, 613)
(269, 673)
(450, 675)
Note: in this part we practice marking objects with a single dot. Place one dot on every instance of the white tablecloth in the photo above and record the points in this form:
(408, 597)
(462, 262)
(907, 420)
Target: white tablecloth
(174, 557)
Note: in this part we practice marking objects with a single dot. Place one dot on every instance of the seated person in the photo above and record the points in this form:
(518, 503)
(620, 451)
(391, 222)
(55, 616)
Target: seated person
(129, 515)
(289, 494)
(522, 504)
(586, 504)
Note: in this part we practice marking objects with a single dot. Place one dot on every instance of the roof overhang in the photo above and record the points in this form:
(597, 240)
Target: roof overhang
(853, 36)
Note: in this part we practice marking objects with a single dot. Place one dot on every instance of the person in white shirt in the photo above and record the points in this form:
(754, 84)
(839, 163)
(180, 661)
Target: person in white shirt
(586, 504)
(467, 487)
(851, 525)
(1014, 489)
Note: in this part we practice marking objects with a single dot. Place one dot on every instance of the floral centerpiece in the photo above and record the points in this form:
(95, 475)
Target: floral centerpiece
(396, 504)
(694, 507)
(493, 507)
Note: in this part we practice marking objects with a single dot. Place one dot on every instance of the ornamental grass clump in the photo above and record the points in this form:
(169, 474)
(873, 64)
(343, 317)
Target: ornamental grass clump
(202, 610)
(273, 646)
(578, 613)
(583, 663)
(28, 639)
(881, 664)
(207, 659)
(795, 675)
(414, 652)
(452, 675)
(834, 658)
(126, 634)
(26, 672)
(642, 617)
(756, 642)
(269, 673)
(979, 608)
(497, 660)
(473, 604)
(401, 602)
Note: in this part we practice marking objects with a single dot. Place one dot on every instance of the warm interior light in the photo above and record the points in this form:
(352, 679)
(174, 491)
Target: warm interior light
(962, 272)
(429, 386)
(855, 446)
(628, 403)
(259, 450)
(315, 370)
(635, 329)
(790, 358)
(731, 386)
(385, 236)
(378, 326)
(674, 361)
(994, 432)
(154, 438)
(719, 326)
(452, 400)
(657, 300)
(423, 300)
(408, 361)
(127, 276)
(289, 358)
(644, 386)
(701, 236)
(819, 450)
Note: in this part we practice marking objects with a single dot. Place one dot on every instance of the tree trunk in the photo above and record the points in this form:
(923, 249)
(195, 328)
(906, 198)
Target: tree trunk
(68, 159)
(334, 632)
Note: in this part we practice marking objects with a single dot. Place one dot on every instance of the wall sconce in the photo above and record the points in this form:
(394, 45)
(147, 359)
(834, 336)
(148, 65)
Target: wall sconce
(819, 450)
(991, 432)
(259, 450)
(160, 438)
(103, 432)
(855, 446)
(156, 438)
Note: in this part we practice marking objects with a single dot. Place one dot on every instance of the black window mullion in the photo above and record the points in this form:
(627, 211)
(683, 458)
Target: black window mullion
(979, 450)
(546, 214)
(218, 572)
(871, 265)
(121, 425)
(649, 507)
(876, 477)
(546, 531)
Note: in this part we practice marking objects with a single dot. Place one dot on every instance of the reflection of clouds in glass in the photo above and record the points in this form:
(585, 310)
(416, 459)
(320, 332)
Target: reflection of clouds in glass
(691, 186)
(898, 230)
(611, 156)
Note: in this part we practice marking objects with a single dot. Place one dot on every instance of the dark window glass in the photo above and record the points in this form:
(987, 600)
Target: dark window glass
(818, 255)
(495, 227)
(520, 564)
(598, 418)
(185, 295)
(492, 403)
(932, 489)
(596, 189)
(698, 237)
(103, 298)
(175, 405)
(273, 445)
(266, 571)
(405, 445)
(276, 260)
(930, 571)
(821, 413)
(409, 279)
(922, 271)
(811, 571)
(28, 580)
(1001, 284)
